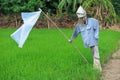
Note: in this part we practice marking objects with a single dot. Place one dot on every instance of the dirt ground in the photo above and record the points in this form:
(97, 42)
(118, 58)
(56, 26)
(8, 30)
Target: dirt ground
(16, 21)
(115, 27)
(111, 70)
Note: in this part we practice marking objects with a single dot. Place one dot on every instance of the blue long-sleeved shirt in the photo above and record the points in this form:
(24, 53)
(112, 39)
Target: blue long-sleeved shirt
(89, 32)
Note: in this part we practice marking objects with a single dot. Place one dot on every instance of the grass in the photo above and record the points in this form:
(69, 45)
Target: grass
(47, 55)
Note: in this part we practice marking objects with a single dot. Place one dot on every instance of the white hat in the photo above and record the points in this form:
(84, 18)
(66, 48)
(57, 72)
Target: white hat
(81, 12)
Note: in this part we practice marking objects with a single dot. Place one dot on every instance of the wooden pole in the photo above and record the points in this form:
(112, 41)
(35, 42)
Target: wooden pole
(66, 37)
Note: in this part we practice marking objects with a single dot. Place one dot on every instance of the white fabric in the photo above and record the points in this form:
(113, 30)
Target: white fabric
(96, 58)
(21, 34)
(81, 12)
(95, 51)
(97, 65)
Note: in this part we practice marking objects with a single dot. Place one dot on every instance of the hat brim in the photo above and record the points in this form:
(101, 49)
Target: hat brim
(80, 16)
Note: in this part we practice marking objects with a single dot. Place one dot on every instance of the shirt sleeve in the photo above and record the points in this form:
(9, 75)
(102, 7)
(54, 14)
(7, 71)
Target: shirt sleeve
(96, 27)
(76, 31)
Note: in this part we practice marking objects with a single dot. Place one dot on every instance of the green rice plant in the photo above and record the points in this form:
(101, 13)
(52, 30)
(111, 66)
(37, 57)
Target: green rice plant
(47, 55)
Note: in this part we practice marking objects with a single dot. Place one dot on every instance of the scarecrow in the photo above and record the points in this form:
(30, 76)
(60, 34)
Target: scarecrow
(89, 30)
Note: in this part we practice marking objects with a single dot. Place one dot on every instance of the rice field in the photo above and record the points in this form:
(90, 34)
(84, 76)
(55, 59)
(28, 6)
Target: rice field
(47, 55)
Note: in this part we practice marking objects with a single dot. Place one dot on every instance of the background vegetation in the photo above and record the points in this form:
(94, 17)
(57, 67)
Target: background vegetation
(107, 11)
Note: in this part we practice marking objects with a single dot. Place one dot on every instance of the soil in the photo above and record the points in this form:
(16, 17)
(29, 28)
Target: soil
(111, 70)
(115, 27)
(16, 21)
